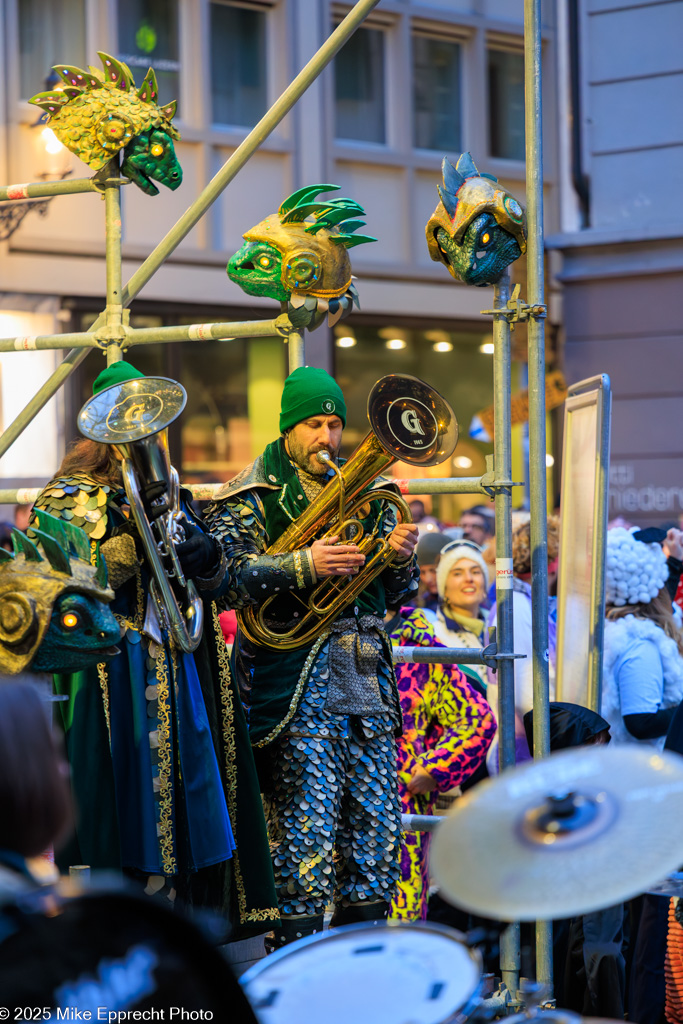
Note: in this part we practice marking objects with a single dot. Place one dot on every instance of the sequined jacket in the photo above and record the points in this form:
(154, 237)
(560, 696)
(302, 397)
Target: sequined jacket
(238, 518)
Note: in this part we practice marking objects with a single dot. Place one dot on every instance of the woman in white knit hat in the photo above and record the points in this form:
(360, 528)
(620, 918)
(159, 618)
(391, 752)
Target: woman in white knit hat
(643, 651)
(462, 582)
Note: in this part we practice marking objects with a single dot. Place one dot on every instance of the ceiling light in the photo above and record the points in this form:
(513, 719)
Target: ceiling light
(487, 347)
(549, 460)
(462, 462)
(396, 343)
(443, 346)
(346, 341)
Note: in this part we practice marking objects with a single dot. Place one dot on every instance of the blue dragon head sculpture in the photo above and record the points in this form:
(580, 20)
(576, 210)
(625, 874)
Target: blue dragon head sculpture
(478, 228)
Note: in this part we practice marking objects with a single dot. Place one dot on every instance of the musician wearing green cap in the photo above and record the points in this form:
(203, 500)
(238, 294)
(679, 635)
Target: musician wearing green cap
(162, 770)
(323, 716)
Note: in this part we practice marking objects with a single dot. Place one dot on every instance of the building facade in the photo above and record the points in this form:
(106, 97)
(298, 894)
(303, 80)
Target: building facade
(417, 81)
(621, 244)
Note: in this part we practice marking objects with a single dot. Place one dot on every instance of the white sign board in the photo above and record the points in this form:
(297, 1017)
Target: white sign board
(583, 526)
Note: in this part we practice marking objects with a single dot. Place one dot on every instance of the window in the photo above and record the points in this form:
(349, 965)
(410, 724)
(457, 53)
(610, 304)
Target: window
(50, 31)
(359, 87)
(506, 104)
(148, 37)
(238, 65)
(436, 94)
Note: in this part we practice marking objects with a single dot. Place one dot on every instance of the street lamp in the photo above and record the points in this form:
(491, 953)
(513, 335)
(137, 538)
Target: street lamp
(54, 160)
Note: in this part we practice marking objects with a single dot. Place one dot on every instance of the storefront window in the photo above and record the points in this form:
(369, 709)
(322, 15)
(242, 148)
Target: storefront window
(148, 36)
(506, 104)
(49, 31)
(238, 65)
(359, 87)
(436, 94)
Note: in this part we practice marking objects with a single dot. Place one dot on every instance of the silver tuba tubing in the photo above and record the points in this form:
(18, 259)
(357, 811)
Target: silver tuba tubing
(185, 623)
(133, 417)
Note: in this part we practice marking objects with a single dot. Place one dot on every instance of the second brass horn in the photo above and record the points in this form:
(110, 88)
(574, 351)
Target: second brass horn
(410, 422)
(133, 417)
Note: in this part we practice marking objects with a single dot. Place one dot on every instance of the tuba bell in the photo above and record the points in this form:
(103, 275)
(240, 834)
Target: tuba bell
(133, 417)
(410, 422)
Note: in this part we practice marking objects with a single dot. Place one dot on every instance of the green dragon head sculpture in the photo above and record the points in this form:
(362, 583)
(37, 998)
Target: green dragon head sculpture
(53, 602)
(96, 116)
(300, 252)
(478, 228)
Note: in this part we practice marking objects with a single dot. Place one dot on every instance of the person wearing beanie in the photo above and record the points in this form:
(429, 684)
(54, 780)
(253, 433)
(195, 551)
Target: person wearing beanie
(643, 647)
(461, 583)
(162, 771)
(322, 717)
(642, 688)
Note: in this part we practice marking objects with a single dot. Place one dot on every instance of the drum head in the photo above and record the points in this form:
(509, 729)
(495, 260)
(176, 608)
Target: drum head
(392, 973)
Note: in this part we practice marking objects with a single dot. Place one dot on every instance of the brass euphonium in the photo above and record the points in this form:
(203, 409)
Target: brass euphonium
(410, 422)
(133, 417)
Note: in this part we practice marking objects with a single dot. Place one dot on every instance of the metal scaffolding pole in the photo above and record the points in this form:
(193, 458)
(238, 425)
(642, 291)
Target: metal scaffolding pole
(502, 461)
(297, 350)
(537, 437)
(244, 151)
(114, 309)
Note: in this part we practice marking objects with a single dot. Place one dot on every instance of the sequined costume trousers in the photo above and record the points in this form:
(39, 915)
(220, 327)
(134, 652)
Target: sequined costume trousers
(334, 821)
(333, 811)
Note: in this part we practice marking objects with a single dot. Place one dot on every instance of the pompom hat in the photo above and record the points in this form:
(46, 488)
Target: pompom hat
(454, 553)
(635, 572)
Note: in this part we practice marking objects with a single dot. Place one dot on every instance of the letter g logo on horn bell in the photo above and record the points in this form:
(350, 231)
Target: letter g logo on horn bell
(411, 422)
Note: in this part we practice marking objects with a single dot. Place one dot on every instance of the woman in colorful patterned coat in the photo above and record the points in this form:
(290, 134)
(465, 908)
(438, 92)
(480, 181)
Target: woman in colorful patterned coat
(447, 730)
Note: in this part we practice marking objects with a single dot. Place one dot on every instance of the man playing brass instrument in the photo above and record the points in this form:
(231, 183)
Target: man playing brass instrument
(323, 716)
(162, 770)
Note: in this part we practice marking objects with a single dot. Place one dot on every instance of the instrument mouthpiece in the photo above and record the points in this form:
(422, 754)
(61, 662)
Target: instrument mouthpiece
(323, 456)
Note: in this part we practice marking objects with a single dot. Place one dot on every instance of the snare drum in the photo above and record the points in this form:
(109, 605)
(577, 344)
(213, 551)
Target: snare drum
(384, 972)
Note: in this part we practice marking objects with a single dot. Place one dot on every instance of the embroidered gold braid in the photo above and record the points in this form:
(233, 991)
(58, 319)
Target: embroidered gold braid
(297, 693)
(299, 569)
(228, 717)
(138, 621)
(104, 687)
(165, 827)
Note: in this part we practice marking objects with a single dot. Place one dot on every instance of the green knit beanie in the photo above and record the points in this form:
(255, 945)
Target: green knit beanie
(116, 373)
(310, 391)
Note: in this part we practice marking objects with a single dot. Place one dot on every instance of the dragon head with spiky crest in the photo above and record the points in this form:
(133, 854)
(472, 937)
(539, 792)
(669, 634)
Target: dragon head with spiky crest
(478, 228)
(53, 601)
(97, 115)
(302, 251)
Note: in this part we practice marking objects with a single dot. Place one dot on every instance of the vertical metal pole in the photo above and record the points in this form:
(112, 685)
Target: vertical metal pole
(502, 459)
(114, 310)
(537, 438)
(297, 350)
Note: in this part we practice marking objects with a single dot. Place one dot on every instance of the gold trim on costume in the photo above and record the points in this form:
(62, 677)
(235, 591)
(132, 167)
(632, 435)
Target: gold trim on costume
(104, 687)
(230, 767)
(297, 693)
(165, 825)
(299, 570)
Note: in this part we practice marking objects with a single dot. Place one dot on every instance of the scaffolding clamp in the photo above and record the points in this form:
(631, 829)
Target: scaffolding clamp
(517, 310)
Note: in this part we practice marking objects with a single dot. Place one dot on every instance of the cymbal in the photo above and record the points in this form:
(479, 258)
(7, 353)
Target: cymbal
(579, 831)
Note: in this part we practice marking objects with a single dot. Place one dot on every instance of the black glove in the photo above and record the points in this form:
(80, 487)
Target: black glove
(199, 554)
